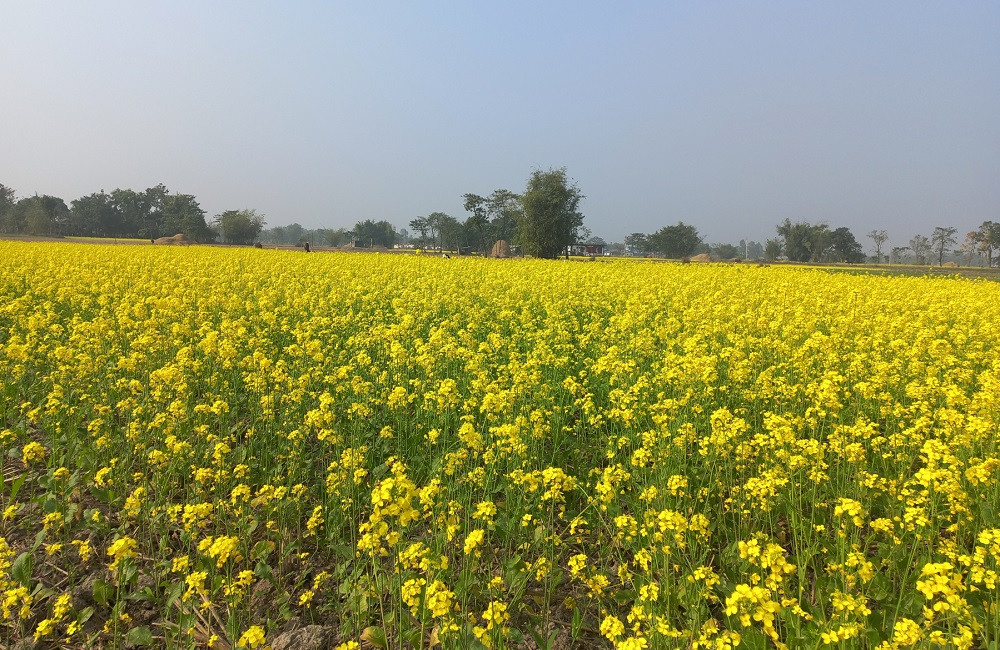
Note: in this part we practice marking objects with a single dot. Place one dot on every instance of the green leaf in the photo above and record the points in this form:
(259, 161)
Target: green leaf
(15, 487)
(537, 637)
(263, 570)
(233, 627)
(625, 596)
(342, 551)
(555, 579)
(375, 636)
(21, 569)
(102, 592)
(577, 627)
(85, 615)
(146, 594)
(139, 636)
(176, 591)
(881, 587)
(127, 572)
(753, 639)
(261, 550)
(411, 636)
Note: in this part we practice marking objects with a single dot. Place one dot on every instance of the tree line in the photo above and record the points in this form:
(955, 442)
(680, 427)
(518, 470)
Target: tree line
(803, 241)
(806, 242)
(543, 221)
(124, 213)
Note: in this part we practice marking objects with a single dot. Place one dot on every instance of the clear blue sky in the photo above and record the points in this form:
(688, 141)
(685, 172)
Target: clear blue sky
(731, 116)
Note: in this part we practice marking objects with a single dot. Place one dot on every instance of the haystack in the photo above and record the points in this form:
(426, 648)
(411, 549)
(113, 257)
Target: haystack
(501, 249)
(179, 239)
(702, 257)
(950, 264)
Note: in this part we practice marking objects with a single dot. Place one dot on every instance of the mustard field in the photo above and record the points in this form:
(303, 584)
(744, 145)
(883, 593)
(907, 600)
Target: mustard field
(207, 448)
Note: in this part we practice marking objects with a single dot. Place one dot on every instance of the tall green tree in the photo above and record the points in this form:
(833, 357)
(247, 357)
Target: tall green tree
(772, 249)
(438, 223)
(845, 248)
(293, 233)
(240, 226)
(988, 239)
(550, 219)
(421, 225)
(493, 218)
(7, 201)
(504, 209)
(336, 237)
(40, 215)
(95, 215)
(374, 233)
(751, 250)
(183, 214)
(477, 224)
(803, 241)
(637, 243)
(725, 251)
(141, 213)
(920, 246)
(451, 233)
(679, 240)
(941, 239)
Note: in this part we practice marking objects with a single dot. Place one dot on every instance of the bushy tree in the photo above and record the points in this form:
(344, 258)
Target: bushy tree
(451, 233)
(637, 243)
(478, 222)
(374, 233)
(803, 241)
(988, 239)
(772, 249)
(7, 201)
(550, 219)
(423, 226)
(140, 214)
(492, 218)
(336, 237)
(845, 248)
(40, 215)
(504, 209)
(293, 234)
(239, 226)
(183, 214)
(679, 240)
(751, 250)
(725, 251)
(95, 215)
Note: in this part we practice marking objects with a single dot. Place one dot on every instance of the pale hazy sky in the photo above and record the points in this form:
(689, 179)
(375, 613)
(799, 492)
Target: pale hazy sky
(731, 116)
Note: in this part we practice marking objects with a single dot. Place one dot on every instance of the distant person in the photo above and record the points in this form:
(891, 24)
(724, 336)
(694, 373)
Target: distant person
(307, 247)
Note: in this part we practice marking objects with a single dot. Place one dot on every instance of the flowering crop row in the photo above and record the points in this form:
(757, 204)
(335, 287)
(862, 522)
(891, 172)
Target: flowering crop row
(201, 445)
